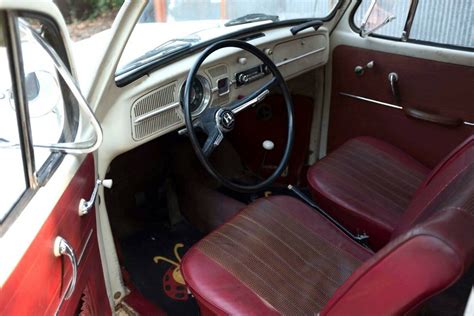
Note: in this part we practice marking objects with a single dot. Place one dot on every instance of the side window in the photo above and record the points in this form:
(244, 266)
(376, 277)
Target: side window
(444, 22)
(436, 22)
(13, 181)
(44, 98)
(36, 112)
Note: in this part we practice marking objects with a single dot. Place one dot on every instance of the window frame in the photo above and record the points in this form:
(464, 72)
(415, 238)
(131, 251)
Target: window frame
(35, 178)
(405, 37)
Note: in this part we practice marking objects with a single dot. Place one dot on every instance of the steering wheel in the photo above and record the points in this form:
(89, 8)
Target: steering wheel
(216, 121)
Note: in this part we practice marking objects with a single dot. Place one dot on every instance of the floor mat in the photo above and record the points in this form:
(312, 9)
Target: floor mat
(152, 259)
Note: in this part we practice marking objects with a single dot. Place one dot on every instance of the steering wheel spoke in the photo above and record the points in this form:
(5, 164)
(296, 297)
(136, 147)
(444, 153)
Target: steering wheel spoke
(213, 140)
(253, 98)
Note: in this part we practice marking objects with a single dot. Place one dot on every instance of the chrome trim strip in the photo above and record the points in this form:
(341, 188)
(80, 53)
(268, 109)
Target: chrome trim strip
(251, 102)
(83, 250)
(409, 21)
(156, 112)
(468, 123)
(300, 57)
(23, 117)
(371, 100)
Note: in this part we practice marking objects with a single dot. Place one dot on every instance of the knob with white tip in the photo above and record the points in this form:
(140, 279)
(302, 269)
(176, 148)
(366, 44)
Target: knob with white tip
(268, 145)
(107, 183)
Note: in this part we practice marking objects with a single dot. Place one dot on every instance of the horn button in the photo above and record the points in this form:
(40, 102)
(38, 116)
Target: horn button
(225, 120)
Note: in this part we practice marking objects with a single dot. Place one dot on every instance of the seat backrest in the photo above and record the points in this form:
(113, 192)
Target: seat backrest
(435, 185)
(431, 249)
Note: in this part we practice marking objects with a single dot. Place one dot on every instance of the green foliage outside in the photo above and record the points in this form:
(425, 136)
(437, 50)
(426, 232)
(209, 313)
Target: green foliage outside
(74, 10)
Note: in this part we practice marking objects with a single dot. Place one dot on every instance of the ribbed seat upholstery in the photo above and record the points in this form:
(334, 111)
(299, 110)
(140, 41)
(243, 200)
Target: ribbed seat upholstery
(278, 256)
(366, 184)
(282, 251)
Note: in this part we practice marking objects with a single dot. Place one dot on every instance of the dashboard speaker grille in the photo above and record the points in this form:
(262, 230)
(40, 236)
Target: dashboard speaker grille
(155, 99)
(156, 112)
(217, 71)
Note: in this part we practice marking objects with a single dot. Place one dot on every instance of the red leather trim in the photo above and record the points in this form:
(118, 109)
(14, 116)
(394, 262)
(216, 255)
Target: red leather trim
(455, 154)
(353, 182)
(219, 291)
(395, 153)
(320, 225)
(439, 179)
(36, 284)
(410, 269)
(397, 281)
(431, 86)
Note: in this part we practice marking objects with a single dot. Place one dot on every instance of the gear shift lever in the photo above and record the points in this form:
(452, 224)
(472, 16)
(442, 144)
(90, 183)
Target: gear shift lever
(267, 145)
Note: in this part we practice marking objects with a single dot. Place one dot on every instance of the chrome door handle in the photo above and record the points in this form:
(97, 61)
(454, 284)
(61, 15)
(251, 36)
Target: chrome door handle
(62, 247)
(85, 206)
(393, 79)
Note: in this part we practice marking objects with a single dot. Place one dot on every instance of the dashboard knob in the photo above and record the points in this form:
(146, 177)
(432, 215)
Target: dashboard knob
(243, 78)
(242, 60)
(268, 51)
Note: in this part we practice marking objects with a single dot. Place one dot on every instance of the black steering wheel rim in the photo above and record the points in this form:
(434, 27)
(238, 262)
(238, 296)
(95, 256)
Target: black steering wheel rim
(189, 120)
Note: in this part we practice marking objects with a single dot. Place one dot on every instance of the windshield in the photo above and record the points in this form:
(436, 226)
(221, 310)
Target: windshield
(170, 26)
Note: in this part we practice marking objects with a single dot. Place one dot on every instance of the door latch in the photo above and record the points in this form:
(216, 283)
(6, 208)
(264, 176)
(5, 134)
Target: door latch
(85, 206)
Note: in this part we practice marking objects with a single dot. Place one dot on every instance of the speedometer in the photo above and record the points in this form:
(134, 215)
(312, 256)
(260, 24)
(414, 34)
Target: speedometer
(200, 95)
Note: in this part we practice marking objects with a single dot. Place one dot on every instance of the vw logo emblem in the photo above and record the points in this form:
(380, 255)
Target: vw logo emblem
(227, 120)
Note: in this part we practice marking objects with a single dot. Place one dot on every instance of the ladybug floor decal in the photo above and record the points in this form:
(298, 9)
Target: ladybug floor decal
(173, 282)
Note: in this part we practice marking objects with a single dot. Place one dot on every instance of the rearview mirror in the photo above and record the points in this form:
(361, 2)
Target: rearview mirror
(379, 14)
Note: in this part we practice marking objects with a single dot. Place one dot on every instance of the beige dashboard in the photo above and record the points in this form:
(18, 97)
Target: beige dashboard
(154, 106)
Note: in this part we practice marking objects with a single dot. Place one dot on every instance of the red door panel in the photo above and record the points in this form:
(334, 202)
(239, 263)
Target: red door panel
(434, 87)
(38, 282)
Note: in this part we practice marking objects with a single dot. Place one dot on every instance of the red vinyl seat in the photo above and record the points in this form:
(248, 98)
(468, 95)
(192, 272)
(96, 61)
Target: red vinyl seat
(278, 256)
(366, 184)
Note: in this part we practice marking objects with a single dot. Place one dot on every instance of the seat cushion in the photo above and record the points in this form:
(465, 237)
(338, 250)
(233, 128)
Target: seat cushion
(276, 256)
(366, 184)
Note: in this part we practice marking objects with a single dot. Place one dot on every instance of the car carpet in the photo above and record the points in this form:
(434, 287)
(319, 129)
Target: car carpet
(152, 259)
(248, 198)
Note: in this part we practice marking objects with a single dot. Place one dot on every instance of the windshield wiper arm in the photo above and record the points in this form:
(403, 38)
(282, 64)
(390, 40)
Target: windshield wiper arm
(156, 53)
(250, 18)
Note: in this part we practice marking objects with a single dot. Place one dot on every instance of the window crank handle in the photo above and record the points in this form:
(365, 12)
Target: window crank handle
(85, 206)
(393, 79)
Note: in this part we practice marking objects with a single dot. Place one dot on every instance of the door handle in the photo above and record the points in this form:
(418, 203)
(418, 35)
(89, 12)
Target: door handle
(62, 247)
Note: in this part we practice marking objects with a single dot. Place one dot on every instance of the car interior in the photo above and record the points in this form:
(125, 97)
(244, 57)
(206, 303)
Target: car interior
(293, 169)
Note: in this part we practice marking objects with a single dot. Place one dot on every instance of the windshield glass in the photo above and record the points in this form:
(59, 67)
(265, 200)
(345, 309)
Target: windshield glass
(170, 26)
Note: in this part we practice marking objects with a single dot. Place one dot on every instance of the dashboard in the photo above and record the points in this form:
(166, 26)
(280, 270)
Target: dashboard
(152, 105)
